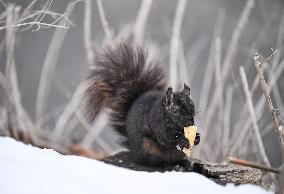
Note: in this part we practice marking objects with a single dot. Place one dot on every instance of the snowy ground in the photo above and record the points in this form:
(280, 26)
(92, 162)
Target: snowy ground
(28, 170)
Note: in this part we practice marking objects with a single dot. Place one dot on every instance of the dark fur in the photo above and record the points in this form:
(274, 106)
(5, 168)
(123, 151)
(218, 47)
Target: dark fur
(150, 119)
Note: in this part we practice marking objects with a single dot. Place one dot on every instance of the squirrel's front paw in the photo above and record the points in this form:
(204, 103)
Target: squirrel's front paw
(197, 139)
(184, 143)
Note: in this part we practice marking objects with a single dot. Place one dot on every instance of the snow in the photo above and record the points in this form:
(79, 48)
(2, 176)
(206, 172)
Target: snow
(29, 170)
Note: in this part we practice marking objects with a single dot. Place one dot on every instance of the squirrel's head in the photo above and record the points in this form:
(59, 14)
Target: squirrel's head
(178, 109)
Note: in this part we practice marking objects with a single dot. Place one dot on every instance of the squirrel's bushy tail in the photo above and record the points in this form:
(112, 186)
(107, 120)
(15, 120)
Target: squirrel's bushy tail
(121, 74)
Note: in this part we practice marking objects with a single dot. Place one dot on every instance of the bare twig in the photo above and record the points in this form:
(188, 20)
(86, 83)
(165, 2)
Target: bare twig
(88, 33)
(256, 81)
(36, 15)
(48, 7)
(253, 117)
(28, 9)
(27, 15)
(30, 18)
(258, 108)
(38, 26)
(253, 165)
(34, 23)
(252, 90)
(107, 30)
(272, 110)
(48, 68)
(175, 42)
(141, 19)
(54, 15)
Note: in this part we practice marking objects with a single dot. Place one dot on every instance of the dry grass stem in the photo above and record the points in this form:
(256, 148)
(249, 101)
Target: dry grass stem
(106, 28)
(219, 88)
(182, 66)
(253, 116)
(217, 62)
(141, 19)
(174, 50)
(12, 90)
(88, 43)
(10, 46)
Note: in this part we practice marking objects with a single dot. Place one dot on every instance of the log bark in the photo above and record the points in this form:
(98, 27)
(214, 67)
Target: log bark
(221, 173)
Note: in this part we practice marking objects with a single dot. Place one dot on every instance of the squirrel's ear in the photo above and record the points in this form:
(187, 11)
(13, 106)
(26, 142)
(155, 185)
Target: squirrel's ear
(169, 96)
(186, 89)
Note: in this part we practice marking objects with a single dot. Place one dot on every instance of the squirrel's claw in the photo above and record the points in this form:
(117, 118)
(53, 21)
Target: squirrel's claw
(184, 143)
(197, 139)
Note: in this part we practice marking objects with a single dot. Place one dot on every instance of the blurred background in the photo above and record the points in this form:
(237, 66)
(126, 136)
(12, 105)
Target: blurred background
(44, 59)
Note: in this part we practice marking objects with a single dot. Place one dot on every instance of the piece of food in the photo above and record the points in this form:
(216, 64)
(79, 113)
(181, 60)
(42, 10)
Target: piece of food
(190, 134)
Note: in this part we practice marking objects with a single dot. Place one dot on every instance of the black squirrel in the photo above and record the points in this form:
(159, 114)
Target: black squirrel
(150, 119)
